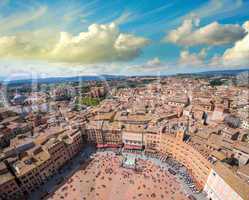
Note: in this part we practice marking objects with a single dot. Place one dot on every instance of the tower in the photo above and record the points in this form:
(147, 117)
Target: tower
(180, 134)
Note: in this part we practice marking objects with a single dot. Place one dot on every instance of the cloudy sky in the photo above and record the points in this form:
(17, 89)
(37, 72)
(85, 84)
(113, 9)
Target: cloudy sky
(66, 38)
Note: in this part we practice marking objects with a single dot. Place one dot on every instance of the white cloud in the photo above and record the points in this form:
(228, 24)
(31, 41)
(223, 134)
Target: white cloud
(126, 42)
(124, 17)
(100, 43)
(239, 53)
(220, 9)
(236, 56)
(19, 69)
(20, 19)
(152, 67)
(189, 33)
(192, 59)
(154, 62)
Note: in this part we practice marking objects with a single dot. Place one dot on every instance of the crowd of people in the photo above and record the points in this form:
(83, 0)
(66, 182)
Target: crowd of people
(105, 178)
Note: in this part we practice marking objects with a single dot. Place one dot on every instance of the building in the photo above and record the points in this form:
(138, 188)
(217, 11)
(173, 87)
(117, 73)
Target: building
(243, 172)
(174, 146)
(229, 133)
(223, 184)
(57, 150)
(9, 189)
(152, 138)
(241, 152)
(178, 101)
(132, 118)
(32, 169)
(97, 92)
(93, 132)
(112, 134)
(245, 123)
(73, 142)
(133, 136)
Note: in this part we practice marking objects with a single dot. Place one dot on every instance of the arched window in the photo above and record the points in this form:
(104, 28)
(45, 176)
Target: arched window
(245, 138)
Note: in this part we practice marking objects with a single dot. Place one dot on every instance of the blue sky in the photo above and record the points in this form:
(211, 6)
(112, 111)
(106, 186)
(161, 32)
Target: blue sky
(67, 38)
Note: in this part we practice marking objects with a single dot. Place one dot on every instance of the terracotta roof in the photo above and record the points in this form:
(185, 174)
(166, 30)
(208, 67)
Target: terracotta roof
(239, 186)
(242, 146)
(104, 116)
(244, 170)
(218, 155)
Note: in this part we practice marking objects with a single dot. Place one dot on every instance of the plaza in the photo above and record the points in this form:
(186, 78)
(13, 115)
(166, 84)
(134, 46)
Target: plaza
(104, 178)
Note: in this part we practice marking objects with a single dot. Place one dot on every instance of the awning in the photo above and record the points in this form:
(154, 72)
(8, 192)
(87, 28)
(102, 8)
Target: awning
(100, 145)
(126, 146)
(150, 151)
(113, 145)
(108, 145)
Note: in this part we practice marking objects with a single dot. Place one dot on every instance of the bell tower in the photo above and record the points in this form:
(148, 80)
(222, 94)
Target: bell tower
(180, 134)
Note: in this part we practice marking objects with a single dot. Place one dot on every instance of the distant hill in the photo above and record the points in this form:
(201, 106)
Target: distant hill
(64, 79)
(116, 77)
(233, 72)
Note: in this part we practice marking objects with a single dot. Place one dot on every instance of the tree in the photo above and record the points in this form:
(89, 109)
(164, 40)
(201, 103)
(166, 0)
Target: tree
(216, 82)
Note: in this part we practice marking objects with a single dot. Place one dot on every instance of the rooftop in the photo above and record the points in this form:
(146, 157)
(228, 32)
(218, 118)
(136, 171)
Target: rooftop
(128, 117)
(5, 176)
(244, 170)
(104, 116)
(232, 180)
(29, 162)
